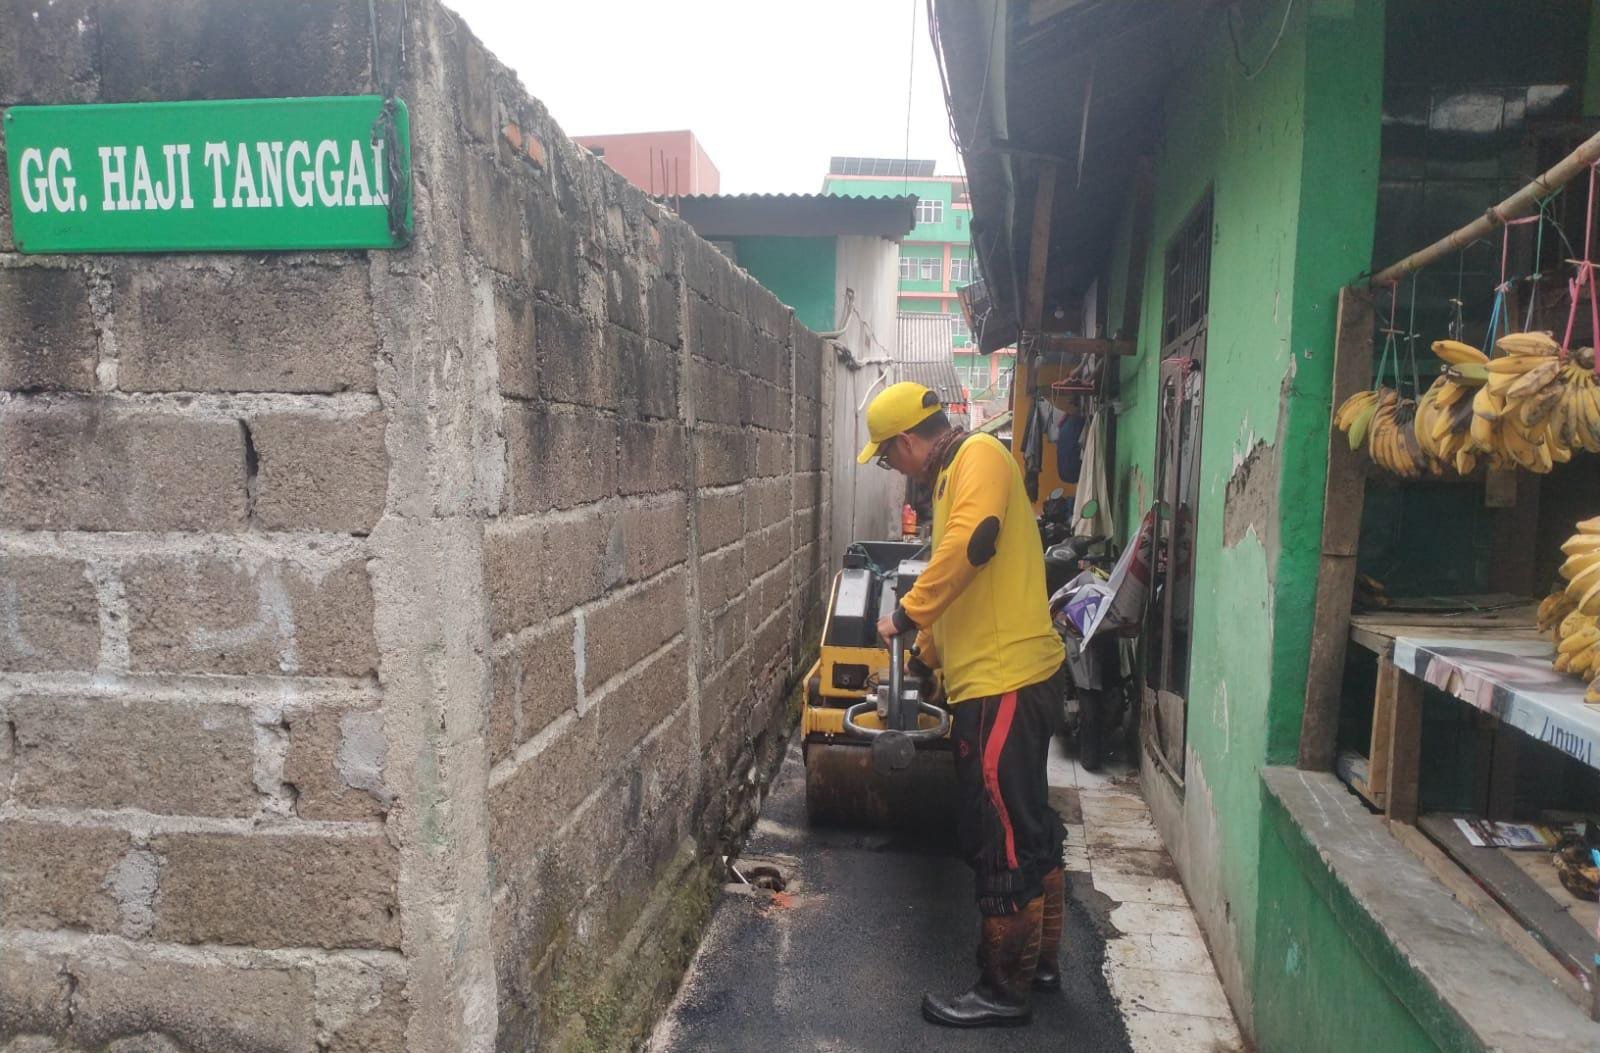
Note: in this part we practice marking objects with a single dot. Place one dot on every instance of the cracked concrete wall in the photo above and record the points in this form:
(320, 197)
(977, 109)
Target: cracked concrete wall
(384, 637)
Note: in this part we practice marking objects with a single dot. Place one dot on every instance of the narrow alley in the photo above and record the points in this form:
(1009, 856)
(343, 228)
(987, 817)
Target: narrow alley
(838, 958)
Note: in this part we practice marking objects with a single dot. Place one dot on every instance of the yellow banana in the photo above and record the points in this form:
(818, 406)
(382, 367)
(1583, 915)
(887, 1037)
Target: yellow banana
(1579, 563)
(1455, 352)
(1589, 526)
(1562, 663)
(1588, 636)
(1528, 344)
(1534, 379)
(1580, 543)
(1579, 584)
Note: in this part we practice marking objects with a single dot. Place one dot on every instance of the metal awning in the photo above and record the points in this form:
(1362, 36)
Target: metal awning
(798, 215)
(1072, 83)
(926, 355)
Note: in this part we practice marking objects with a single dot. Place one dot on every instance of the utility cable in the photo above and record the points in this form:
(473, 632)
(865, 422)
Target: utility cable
(1267, 58)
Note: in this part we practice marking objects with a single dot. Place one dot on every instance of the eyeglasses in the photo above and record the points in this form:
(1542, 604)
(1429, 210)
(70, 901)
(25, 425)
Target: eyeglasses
(883, 452)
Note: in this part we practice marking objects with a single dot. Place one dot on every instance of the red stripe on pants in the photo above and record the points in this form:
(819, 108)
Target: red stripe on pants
(991, 770)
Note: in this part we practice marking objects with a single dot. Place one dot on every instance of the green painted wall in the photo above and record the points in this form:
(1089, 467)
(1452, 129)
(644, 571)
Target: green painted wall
(799, 271)
(1290, 157)
(1329, 998)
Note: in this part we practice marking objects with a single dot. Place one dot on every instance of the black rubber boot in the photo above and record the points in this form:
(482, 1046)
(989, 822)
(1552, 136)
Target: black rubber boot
(1008, 954)
(1047, 975)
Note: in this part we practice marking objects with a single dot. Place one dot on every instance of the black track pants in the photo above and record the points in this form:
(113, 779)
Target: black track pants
(1006, 829)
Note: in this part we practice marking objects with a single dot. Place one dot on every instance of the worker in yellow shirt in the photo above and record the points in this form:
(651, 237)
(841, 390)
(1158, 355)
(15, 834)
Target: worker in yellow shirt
(981, 614)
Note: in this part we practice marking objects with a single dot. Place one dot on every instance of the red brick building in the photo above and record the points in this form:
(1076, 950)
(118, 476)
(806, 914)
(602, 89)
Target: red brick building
(659, 163)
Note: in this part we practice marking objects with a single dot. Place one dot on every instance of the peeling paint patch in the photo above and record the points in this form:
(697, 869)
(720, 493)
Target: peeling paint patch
(1251, 500)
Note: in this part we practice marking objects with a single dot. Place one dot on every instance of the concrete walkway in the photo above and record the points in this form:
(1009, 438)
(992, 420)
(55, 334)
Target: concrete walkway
(1156, 963)
(839, 959)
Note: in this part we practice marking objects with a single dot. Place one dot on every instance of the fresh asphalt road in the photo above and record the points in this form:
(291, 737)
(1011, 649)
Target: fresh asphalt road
(840, 960)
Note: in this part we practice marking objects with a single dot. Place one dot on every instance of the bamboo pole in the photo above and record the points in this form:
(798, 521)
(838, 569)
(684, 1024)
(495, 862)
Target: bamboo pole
(1524, 202)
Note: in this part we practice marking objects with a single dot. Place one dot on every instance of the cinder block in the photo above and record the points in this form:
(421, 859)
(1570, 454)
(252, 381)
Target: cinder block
(809, 454)
(665, 311)
(648, 373)
(170, 758)
(638, 704)
(769, 501)
(49, 53)
(626, 629)
(558, 457)
(194, 49)
(335, 762)
(533, 684)
(653, 458)
(319, 474)
(722, 577)
(247, 328)
(48, 340)
(653, 536)
(554, 261)
(765, 405)
(491, 215)
(721, 519)
(724, 632)
(209, 614)
(59, 877)
(722, 455)
(83, 466)
(723, 692)
(573, 366)
(35, 991)
(379, 1024)
(277, 890)
(708, 327)
(49, 616)
(527, 808)
(537, 571)
(770, 642)
(210, 1005)
(771, 453)
(768, 548)
(716, 392)
(514, 337)
(624, 292)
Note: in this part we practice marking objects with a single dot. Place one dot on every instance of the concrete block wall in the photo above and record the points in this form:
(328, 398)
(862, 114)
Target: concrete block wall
(388, 641)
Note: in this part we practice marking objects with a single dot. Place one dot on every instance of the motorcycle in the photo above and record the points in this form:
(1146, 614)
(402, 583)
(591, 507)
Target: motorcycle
(1098, 668)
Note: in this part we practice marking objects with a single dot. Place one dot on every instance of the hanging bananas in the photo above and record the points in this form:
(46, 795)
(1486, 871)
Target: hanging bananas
(1572, 614)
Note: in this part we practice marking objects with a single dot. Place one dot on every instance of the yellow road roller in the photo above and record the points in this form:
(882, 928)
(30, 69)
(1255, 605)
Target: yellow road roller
(877, 752)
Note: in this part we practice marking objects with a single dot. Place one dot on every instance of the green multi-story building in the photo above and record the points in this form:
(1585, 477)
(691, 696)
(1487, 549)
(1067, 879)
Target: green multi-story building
(936, 258)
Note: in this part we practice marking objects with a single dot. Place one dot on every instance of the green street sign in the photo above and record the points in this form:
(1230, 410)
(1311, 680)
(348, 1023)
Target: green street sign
(237, 174)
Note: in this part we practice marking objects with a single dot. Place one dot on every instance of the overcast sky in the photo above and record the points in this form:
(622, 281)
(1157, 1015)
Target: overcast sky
(771, 89)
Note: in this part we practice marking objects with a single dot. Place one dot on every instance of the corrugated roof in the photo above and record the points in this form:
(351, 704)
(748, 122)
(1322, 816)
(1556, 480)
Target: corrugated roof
(798, 215)
(927, 357)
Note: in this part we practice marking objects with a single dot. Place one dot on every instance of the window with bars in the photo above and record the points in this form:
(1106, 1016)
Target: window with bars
(908, 267)
(1188, 280)
(930, 211)
(958, 325)
(930, 269)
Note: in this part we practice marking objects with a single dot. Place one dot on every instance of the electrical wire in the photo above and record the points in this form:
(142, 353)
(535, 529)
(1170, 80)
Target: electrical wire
(911, 83)
(1288, 7)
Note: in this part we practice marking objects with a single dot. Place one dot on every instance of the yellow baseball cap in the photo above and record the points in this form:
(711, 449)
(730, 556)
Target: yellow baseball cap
(897, 408)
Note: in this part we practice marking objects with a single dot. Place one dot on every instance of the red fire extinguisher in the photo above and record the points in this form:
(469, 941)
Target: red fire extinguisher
(908, 522)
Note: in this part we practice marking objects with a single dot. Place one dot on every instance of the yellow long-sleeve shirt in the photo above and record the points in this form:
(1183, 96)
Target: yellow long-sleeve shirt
(983, 592)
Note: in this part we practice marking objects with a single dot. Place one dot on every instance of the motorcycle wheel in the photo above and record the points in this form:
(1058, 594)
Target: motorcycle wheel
(1089, 721)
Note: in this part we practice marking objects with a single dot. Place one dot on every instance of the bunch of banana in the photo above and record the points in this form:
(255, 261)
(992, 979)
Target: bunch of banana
(1392, 438)
(1354, 415)
(1575, 422)
(1443, 417)
(1577, 631)
(1520, 392)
